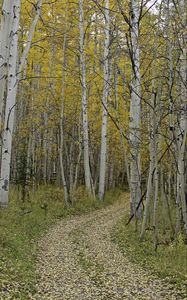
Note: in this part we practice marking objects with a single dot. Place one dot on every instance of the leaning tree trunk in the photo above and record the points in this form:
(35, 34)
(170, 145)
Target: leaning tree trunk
(87, 171)
(103, 153)
(135, 109)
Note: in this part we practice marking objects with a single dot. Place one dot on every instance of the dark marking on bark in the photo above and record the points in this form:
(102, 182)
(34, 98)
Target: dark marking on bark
(10, 110)
(5, 185)
(140, 202)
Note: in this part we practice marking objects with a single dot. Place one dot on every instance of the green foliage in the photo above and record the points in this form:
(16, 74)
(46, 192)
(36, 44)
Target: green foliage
(22, 223)
(169, 262)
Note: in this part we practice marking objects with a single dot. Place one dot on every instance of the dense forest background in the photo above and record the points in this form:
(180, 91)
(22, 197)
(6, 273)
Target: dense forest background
(94, 93)
(93, 139)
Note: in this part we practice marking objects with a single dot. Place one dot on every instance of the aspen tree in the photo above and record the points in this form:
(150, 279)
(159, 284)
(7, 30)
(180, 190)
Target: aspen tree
(103, 151)
(10, 104)
(135, 109)
(14, 74)
(87, 171)
(183, 114)
(180, 132)
(6, 22)
(61, 148)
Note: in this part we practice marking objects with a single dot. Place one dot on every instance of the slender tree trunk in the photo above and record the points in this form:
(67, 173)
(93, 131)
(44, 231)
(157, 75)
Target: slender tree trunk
(6, 23)
(78, 161)
(10, 105)
(116, 94)
(165, 201)
(103, 153)
(183, 119)
(149, 194)
(182, 132)
(62, 166)
(87, 172)
(71, 166)
(61, 148)
(156, 190)
(95, 45)
(135, 109)
(45, 146)
(38, 7)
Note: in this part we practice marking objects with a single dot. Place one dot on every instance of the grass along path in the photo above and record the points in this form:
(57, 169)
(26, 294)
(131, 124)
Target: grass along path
(78, 260)
(170, 260)
(22, 224)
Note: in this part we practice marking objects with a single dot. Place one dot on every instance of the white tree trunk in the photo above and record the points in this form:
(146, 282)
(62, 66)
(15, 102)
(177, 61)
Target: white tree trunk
(135, 109)
(61, 149)
(182, 134)
(87, 172)
(103, 153)
(14, 74)
(6, 22)
(149, 192)
(10, 104)
(38, 7)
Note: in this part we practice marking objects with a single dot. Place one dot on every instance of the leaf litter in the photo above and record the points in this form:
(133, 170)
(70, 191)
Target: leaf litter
(78, 261)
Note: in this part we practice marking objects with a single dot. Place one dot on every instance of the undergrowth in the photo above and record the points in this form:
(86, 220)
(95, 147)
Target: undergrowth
(23, 223)
(169, 262)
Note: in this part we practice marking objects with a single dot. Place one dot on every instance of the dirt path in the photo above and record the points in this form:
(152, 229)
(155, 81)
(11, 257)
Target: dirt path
(78, 261)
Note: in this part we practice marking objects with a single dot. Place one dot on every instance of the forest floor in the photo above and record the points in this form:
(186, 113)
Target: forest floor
(77, 260)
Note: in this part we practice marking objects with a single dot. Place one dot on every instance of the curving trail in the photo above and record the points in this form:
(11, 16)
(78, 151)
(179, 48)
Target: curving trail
(78, 261)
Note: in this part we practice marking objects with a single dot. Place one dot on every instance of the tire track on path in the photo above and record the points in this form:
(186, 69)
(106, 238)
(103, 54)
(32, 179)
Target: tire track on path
(78, 261)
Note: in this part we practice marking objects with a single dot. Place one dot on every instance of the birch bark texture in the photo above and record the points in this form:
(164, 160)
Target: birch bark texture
(87, 171)
(6, 22)
(135, 110)
(10, 104)
(103, 151)
(14, 73)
